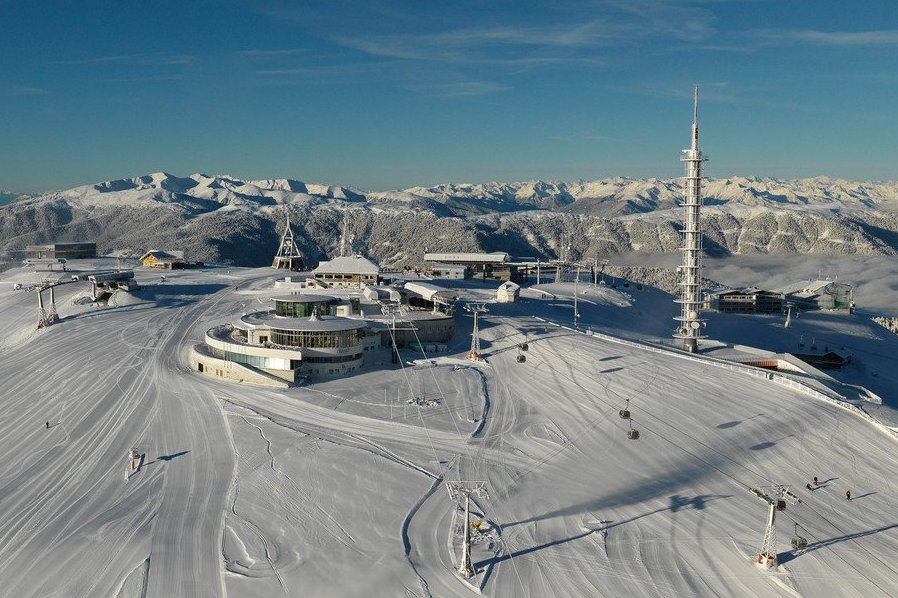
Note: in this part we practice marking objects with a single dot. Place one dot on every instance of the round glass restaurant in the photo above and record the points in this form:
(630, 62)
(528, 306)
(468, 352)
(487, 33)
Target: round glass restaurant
(320, 345)
(304, 306)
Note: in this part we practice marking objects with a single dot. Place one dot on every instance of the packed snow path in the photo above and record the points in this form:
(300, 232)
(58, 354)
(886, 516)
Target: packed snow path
(321, 491)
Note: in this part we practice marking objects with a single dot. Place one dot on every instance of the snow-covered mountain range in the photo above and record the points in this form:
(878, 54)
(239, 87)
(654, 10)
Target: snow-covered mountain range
(224, 218)
(10, 196)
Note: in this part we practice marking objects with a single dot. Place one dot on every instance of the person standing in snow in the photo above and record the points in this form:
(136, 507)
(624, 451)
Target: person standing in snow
(848, 494)
(815, 481)
(48, 425)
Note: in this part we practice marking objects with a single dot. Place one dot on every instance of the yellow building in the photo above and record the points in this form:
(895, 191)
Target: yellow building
(165, 260)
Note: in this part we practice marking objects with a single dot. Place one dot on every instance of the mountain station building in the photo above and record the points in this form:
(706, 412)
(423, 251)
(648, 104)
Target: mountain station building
(68, 251)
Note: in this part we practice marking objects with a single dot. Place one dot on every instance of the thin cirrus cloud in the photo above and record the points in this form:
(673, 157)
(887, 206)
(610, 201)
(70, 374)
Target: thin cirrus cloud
(479, 45)
(158, 59)
(24, 90)
(263, 54)
(882, 37)
(586, 135)
(460, 89)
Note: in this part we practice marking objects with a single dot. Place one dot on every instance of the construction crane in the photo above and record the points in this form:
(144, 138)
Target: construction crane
(776, 498)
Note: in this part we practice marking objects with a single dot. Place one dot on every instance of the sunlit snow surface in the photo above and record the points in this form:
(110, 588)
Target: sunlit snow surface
(337, 489)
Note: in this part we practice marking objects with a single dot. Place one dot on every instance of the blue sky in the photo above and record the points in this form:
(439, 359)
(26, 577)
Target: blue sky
(383, 95)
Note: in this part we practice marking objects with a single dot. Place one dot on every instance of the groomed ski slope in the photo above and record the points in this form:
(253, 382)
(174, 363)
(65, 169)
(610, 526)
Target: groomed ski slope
(335, 490)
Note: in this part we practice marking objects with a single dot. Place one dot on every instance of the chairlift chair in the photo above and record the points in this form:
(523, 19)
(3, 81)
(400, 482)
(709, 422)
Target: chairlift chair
(632, 433)
(625, 412)
(799, 542)
(521, 358)
(525, 346)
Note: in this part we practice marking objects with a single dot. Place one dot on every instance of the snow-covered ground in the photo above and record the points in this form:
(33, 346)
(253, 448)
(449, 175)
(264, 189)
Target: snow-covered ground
(338, 488)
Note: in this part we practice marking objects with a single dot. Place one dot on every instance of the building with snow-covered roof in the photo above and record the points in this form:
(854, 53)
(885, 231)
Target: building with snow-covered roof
(494, 257)
(287, 348)
(744, 301)
(428, 296)
(821, 294)
(448, 271)
(67, 250)
(165, 260)
(347, 272)
(496, 264)
(508, 292)
(321, 336)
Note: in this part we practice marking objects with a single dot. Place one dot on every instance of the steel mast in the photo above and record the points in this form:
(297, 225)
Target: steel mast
(288, 256)
(776, 499)
(690, 297)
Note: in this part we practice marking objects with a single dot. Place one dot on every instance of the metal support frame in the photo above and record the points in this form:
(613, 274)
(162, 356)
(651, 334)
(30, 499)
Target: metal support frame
(776, 498)
(476, 309)
(466, 489)
(288, 256)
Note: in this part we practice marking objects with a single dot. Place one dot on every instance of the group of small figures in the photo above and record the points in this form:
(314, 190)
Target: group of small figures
(816, 484)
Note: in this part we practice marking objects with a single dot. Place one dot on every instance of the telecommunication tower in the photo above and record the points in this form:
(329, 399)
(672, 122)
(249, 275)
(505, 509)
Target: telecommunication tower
(690, 297)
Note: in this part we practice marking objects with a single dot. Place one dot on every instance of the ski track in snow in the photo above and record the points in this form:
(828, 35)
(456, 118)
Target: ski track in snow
(248, 491)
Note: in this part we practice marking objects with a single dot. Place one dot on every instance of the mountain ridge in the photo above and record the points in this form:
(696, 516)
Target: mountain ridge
(225, 218)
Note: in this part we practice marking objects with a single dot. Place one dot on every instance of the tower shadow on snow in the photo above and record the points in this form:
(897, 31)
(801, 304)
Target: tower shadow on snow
(785, 557)
(688, 473)
(677, 502)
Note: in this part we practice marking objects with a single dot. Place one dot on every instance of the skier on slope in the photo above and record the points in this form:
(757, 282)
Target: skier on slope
(848, 494)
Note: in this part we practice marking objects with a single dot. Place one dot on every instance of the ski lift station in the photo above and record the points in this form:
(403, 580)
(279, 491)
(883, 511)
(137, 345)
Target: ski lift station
(827, 295)
(69, 251)
(495, 265)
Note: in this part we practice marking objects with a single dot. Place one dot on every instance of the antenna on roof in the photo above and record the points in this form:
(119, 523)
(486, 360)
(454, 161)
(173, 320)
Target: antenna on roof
(695, 119)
